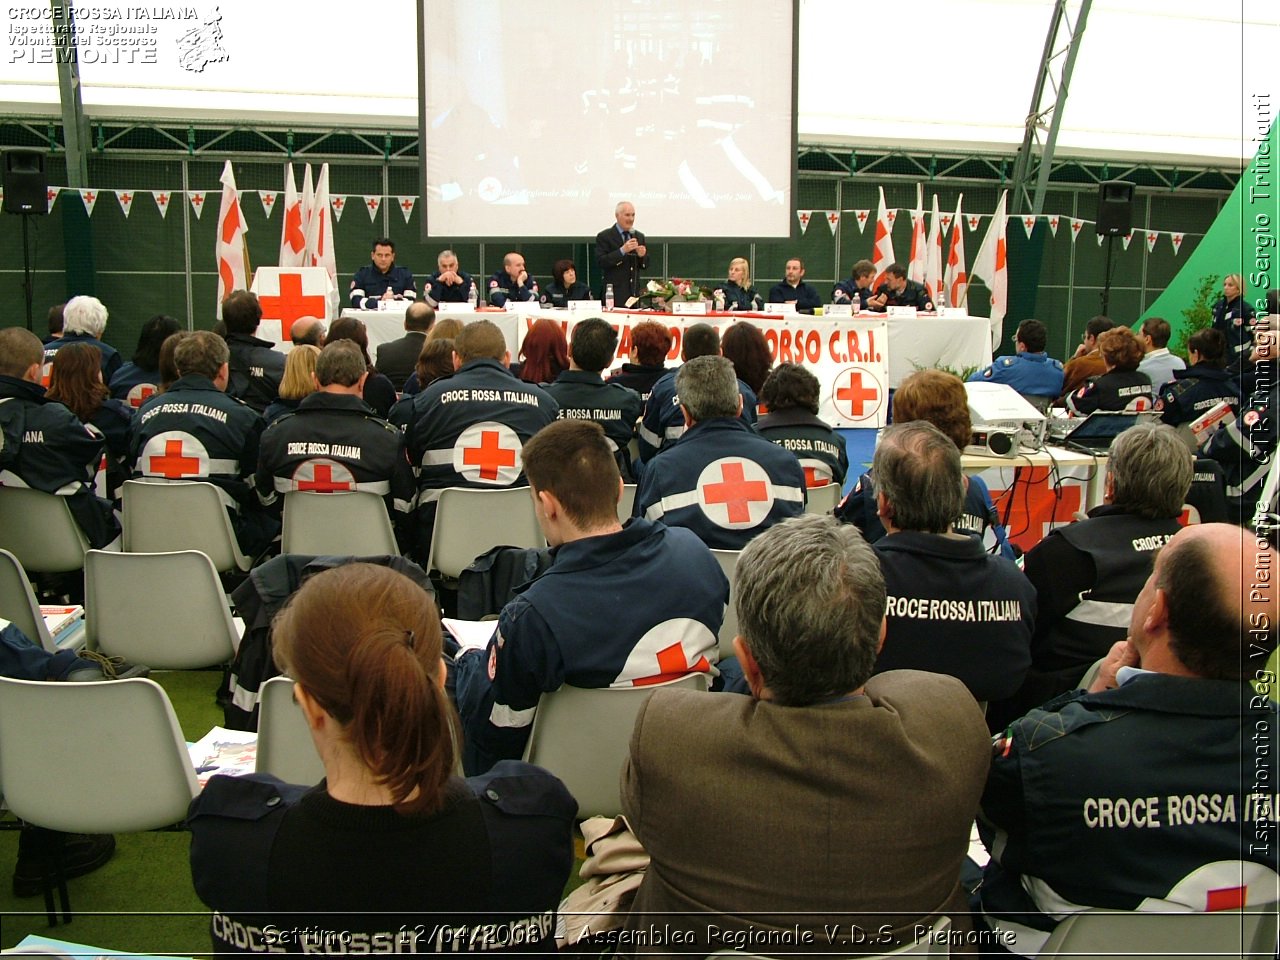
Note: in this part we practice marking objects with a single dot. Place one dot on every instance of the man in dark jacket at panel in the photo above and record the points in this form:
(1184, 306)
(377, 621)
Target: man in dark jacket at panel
(583, 395)
(256, 369)
(898, 291)
(953, 607)
(398, 359)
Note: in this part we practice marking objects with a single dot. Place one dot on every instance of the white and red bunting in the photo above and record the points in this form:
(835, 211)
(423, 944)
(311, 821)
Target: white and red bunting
(372, 204)
(406, 206)
(1054, 220)
(162, 198)
(51, 195)
(268, 198)
(1075, 227)
(1152, 237)
(804, 216)
(88, 197)
(125, 198)
(891, 214)
(862, 216)
(1127, 239)
(197, 201)
(946, 223)
(1028, 224)
(338, 203)
(833, 220)
(973, 220)
(1176, 240)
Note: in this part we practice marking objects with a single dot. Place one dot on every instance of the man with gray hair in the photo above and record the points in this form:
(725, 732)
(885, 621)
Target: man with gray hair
(1087, 574)
(84, 320)
(721, 479)
(334, 442)
(621, 254)
(824, 770)
(953, 607)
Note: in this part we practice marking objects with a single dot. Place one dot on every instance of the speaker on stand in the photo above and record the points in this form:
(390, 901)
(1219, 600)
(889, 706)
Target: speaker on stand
(1115, 219)
(26, 193)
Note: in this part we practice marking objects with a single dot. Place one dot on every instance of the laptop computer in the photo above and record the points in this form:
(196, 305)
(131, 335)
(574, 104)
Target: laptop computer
(1096, 431)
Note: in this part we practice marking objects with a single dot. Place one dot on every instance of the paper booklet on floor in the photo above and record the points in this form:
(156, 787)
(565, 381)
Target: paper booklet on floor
(471, 634)
(230, 752)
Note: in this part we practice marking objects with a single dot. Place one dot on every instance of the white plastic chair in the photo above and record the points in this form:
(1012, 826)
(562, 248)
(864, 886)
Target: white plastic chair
(582, 736)
(285, 747)
(471, 522)
(161, 517)
(822, 500)
(18, 605)
(728, 560)
(351, 524)
(1189, 936)
(166, 610)
(627, 502)
(40, 531)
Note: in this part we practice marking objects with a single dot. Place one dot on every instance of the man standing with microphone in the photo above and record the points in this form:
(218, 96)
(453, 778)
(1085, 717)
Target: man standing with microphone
(621, 254)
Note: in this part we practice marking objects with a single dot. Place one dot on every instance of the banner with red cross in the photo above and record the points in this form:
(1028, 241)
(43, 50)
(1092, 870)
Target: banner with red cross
(287, 293)
(489, 453)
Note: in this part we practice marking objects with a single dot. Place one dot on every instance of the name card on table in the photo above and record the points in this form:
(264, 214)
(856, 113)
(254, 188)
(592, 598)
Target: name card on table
(838, 310)
(788, 307)
(584, 306)
(524, 306)
(902, 313)
(447, 306)
(952, 313)
(689, 306)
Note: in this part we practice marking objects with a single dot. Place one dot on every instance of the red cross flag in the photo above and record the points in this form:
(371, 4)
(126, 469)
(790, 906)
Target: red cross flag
(488, 453)
(1075, 227)
(882, 256)
(161, 198)
(833, 218)
(323, 476)
(308, 204)
(372, 204)
(933, 256)
(320, 230)
(859, 395)
(197, 201)
(125, 198)
(52, 195)
(293, 236)
(735, 493)
(991, 267)
(862, 216)
(230, 249)
(406, 206)
(140, 393)
(955, 277)
(338, 204)
(804, 216)
(919, 242)
(89, 198)
(174, 455)
(1176, 240)
(293, 292)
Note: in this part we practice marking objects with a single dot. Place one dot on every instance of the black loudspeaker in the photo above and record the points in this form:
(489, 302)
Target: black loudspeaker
(1115, 208)
(26, 188)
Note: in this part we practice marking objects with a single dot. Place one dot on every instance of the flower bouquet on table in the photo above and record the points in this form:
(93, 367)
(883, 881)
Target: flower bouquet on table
(660, 294)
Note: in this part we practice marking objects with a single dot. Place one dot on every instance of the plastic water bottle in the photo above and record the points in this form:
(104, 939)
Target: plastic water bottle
(608, 296)
(719, 298)
(471, 296)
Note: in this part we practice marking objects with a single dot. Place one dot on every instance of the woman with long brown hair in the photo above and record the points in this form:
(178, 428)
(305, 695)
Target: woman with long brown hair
(379, 391)
(544, 354)
(391, 851)
(76, 383)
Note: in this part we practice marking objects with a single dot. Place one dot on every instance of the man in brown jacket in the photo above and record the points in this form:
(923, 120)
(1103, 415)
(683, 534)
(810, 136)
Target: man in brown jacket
(823, 812)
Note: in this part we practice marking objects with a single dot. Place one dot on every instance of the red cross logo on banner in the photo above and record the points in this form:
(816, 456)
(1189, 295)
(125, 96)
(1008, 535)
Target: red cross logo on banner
(406, 205)
(140, 394)
(126, 198)
(858, 393)
(52, 195)
(373, 203)
(338, 203)
(175, 462)
(291, 303)
(488, 452)
(804, 219)
(90, 197)
(162, 198)
(323, 476)
(735, 493)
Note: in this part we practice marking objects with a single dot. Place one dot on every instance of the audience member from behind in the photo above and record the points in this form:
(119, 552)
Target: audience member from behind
(379, 392)
(445, 328)
(298, 382)
(140, 378)
(1087, 361)
(746, 348)
(42, 444)
(721, 479)
(390, 836)
(1132, 796)
(256, 369)
(940, 398)
(84, 320)
(1203, 385)
(307, 331)
(544, 354)
(1086, 575)
(396, 359)
(1158, 364)
(791, 397)
(953, 607)
(646, 360)
(1123, 386)
(564, 286)
(602, 614)
(827, 769)
(76, 382)
(1030, 371)
(583, 395)
(166, 368)
(53, 322)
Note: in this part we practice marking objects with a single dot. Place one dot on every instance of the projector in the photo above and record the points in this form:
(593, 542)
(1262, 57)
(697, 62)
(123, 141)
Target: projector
(1002, 420)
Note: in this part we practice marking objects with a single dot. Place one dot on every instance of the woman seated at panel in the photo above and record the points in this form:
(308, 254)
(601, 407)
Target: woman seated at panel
(1123, 386)
(1205, 383)
(791, 396)
(737, 293)
(564, 286)
(940, 398)
(391, 852)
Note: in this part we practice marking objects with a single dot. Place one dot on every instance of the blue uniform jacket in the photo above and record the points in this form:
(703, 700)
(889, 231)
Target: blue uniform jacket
(736, 298)
(111, 359)
(1037, 374)
(663, 423)
(805, 296)
(724, 482)
(437, 292)
(626, 609)
(370, 283)
(1194, 392)
(502, 288)
(847, 291)
(134, 385)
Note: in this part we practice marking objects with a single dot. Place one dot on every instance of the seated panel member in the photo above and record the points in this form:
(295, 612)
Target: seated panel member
(794, 289)
(564, 286)
(737, 293)
(334, 442)
(1030, 371)
(512, 282)
(898, 291)
(381, 279)
(448, 284)
(857, 289)
(583, 395)
(603, 613)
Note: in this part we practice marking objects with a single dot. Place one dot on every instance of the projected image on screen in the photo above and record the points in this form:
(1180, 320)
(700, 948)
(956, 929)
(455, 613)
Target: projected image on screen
(538, 116)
